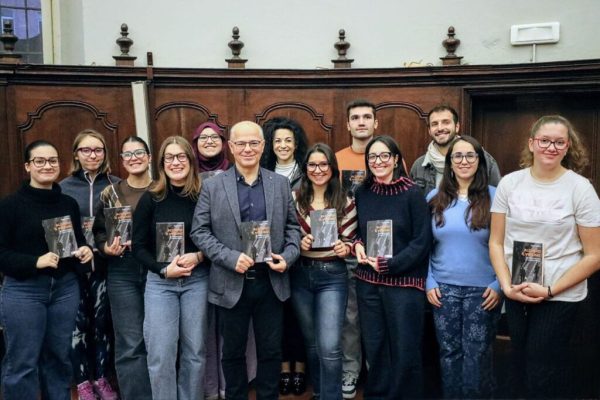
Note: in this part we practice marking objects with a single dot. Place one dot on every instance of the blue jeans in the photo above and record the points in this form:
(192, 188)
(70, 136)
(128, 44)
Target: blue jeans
(176, 318)
(125, 284)
(391, 321)
(319, 296)
(465, 333)
(38, 316)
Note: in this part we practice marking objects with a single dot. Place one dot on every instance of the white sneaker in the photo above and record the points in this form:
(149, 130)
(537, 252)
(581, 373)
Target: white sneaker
(348, 386)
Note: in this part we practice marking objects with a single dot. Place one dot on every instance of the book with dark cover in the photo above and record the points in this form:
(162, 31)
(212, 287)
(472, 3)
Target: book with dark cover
(170, 242)
(351, 180)
(527, 262)
(379, 238)
(256, 240)
(86, 226)
(118, 223)
(323, 226)
(60, 236)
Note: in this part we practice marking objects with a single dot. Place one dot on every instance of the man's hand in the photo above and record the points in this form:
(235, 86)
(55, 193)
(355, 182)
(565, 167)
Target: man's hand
(278, 264)
(243, 263)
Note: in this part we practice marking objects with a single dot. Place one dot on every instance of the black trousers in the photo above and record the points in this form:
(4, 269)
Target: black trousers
(540, 335)
(258, 301)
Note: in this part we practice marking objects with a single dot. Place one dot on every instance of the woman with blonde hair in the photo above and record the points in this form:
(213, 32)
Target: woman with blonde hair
(175, 301)
(546, 203)
(90, 174)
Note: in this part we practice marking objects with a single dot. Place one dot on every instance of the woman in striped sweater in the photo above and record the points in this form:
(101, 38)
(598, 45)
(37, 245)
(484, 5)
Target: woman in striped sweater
(319, 280)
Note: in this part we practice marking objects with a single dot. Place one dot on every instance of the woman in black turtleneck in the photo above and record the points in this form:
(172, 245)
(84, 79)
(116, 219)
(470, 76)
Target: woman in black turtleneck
(40, 294)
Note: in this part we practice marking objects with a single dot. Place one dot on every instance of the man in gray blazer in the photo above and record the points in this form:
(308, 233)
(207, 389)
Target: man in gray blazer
(241, 288)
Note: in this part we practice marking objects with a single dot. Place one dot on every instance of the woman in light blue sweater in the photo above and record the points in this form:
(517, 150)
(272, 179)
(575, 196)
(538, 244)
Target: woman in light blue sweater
(461, 283)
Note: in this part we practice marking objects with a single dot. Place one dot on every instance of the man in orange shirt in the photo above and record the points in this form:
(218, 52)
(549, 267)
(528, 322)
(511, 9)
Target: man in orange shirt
(361, 124)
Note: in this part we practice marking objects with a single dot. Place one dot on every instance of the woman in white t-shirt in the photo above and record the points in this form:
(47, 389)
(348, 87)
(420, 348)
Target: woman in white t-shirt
(546, 203)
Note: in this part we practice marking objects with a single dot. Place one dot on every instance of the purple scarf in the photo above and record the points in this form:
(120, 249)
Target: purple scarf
(218, 162)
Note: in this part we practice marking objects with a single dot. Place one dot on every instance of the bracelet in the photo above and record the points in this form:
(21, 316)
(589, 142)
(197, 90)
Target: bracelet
(166, 272)
(550, 295)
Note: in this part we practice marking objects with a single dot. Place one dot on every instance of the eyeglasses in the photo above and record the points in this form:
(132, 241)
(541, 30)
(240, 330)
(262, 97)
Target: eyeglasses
(470, 156)
(384, 156)
(312, 167)
(545, 143)
(241, 145)
(204, 138)
(40, 162)
(87, 151)
(181, 157)
(128, 155)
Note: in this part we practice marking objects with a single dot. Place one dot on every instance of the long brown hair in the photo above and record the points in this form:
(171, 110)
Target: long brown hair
(576, 158)
(192, 182)
(334, 194)
(478, 210)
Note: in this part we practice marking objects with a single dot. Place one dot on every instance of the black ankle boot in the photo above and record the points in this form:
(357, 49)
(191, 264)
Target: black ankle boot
(285, 383)
(299, 383)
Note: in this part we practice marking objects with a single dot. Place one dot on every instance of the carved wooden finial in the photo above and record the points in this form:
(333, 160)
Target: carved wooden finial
(342, 48)
(9, 39)
(236, 46)
(124, 42)
(450, 44)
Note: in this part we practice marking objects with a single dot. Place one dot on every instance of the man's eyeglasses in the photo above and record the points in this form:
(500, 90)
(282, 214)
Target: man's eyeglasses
(128, 155)
(559, 144)
(384, 156)
(204, 138)
(470, 156)
(312, 167)
(181, 157)
(87, 151)
(40, 162)
(241, 145)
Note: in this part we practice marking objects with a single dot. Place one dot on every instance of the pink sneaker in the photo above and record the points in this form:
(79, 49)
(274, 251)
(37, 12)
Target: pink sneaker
(85, 391)
(104, 391)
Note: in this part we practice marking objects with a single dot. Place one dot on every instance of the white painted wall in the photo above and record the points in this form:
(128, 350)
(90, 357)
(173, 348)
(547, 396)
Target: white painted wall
(301, 33)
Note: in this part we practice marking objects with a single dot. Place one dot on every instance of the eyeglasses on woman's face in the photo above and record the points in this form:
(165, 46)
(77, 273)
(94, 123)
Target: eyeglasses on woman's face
(205, 138)
(384, 157)
(559, 144)
(40, 162)
(87, 151)
(181, 157)
(128, 155)
(470, 157)
(312, 167)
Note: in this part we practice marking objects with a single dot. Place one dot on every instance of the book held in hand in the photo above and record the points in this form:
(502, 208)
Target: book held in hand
(118, 223)
(379, 238)
(170, 238)
(527, 262)
(60, 236)
(323, 226)
(351, 180)
(86, 225)
(256, 240)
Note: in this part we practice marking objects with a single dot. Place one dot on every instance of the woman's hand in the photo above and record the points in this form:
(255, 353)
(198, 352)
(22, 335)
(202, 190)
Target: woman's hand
(361, 256)
(306, 242)
(177, 269)
(48, 260)
(84, 254)
(492, 299)
(115, 249)
(535, 290)
(433, 296)
(515, 292)
(341, 249)
(188, 260)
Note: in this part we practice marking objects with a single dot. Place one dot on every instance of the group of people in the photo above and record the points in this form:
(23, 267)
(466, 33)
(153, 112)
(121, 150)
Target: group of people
(182, 327)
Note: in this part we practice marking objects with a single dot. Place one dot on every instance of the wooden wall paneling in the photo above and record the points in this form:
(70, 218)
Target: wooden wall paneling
(11, 160)
(313, 122)
(59, 119)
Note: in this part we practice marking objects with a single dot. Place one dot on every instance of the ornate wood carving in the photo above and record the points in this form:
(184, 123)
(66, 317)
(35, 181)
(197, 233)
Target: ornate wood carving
(236, 46)
(342, 47)
(124, 42)
(9, 39)
(451, 44)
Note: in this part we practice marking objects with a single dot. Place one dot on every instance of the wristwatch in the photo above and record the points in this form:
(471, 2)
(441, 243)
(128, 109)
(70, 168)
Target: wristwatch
(163, 273)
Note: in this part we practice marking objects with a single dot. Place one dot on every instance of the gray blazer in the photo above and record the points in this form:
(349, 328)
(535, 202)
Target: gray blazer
(216, 232)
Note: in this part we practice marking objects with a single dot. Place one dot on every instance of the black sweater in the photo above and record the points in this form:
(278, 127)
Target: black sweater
(22, 239)
(174, 208)
(403, 203)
